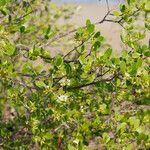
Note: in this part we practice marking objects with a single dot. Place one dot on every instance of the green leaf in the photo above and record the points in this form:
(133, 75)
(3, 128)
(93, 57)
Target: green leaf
(82, 59)
(97, 34)
(2, 2)
(106, 137)
(88, 22)
(68, 69)
(129, 147)
(48, 29)
(9, 49)
(123, 67)
(3, 12)
(136, 55)
(96, 45)
(79, 34)
(134, 122)
(124, 54)
(139, 63)
(103, 109)
(108, 53)
(122, 8)
(90, 27)
(27, 69)
(121, 127)
(128, 1)
(76, 141)
(116, 13)
(135, 66)
(46, 37)
(115, 61)
(147, 25)
(70, 147)
(133, 69)
(147, 53)
(22, 29)
(40, 84)
(59, 61)
(87, 66)
(81, 49)
(47, 34)
(147, 7)
(34, 53)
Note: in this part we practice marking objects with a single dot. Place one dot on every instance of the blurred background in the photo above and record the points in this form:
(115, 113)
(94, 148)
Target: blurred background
(87, 1)
(95, 10)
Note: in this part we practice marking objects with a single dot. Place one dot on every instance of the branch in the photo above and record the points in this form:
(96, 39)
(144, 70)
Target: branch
(46, 57)
(15, 81)
(25, 15)
(77, 47)
(107, 5)
(22, 47)
(120, 20)
(101, 75)
(88, 84)
(58, 37)
(72, 31)
(73, 49)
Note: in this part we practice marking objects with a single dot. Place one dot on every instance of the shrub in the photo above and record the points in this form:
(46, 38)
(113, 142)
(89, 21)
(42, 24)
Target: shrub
(67, 100)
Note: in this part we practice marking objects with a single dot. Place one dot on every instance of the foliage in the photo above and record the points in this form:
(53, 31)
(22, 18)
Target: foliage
(66, 100)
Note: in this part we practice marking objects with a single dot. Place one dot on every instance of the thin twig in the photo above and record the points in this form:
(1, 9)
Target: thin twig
(73, 49)
(107, 5)
(25, 15)
(72, 31)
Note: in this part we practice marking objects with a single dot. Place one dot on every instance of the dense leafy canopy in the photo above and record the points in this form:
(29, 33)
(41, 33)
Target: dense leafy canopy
(66, 100)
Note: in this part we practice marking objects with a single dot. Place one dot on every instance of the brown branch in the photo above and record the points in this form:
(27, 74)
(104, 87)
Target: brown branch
(101, 75)
(107, 5)
(56, 80)
(15, 81)
(88, 84)
(25, 75)
(72, 31)
(122, 17)
(73, 49)
(22, 47)
(46, 57)
(104, 18)
(58, 37)
(25, 15)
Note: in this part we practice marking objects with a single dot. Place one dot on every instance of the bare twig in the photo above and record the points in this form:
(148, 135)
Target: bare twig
(22, 47)
(15, 81)
(73, 49)
(25, 15)
(58, 37)
(72, 31)
(107, 5)
(102, 74)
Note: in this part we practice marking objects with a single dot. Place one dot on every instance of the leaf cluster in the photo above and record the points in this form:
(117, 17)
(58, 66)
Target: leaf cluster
(66, 100)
